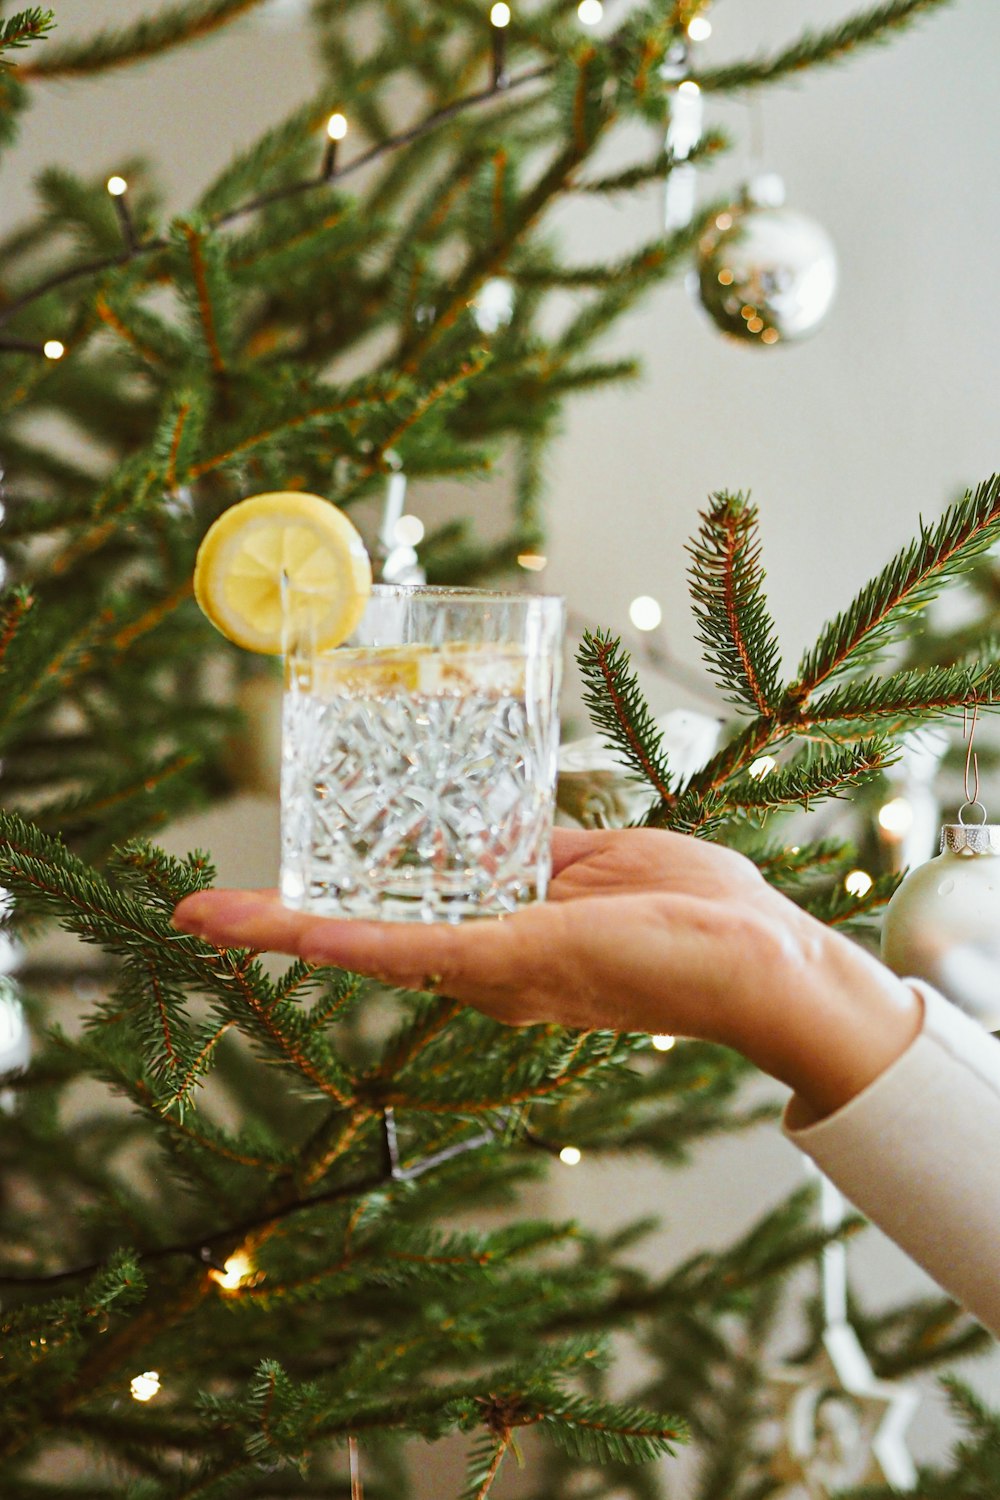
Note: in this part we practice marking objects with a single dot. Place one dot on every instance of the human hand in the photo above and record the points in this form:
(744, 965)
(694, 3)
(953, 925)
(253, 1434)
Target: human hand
(643, 930)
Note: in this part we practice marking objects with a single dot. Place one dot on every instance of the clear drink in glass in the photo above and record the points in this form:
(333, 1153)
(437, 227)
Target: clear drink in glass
(419, 758)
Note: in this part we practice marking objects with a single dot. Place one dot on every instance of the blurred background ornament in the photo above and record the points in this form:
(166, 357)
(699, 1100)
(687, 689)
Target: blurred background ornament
(943, 923)
(839, 1424)
(597, 789)
(15, 1038)
(765, 274)
(683, 134)
(399, 532)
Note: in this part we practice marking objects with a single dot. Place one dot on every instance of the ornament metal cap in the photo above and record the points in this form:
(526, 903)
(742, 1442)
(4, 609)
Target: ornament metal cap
(970, 838)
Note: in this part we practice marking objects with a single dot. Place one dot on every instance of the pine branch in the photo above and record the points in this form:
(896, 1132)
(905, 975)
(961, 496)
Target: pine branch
(909, 697)
(483, 1465)
(814, 49)
(815, 777)
(658, 167)
(840, 908)
(24, 28)
(903, 588)
(603, 1432)
(146, 38)
(618, 708)
(734, 623)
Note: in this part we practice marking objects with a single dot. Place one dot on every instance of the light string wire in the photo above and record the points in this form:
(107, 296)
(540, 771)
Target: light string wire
(501, 83)
(203, 1249)
(134, 247)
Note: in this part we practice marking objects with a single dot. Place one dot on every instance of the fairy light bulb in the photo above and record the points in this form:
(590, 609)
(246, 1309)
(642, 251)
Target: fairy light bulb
(336, 126)
(570, 1156)
(858, 883)
(532, 562)
(145, 1386)
(663, 1042)
(235, 1272)
(896, 817)
(500, 14)
(590, 12)
(699, 29)
(117, 186)
(408, 531)
(645, 612)
(53, 349)
(689, 87)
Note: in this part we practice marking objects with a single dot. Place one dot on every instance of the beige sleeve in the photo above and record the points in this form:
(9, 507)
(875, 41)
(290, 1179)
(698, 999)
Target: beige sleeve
(918, 1152)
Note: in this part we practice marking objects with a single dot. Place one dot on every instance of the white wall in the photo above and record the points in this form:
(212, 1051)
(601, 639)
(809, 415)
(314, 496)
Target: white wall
(842, 440)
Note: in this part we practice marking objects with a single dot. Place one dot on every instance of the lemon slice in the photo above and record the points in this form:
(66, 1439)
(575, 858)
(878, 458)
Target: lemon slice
(283, 567)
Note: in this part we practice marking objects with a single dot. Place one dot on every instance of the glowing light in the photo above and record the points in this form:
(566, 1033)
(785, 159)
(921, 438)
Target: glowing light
(534, 562)
(896, 817)
(726, 276)
(723, 221)
(748, 311)
(858, 883)
(336, 126)
(700, 29)
(145, 1386)
(755, 324)
(689, 87)
(591, 12)
(237, 1270)
(645, 613)
(408, 531)
(500, 14)
(570, 1155)
(117, 186)
(663, 1042)
(53, 349)
(770, 336)
(762, 767)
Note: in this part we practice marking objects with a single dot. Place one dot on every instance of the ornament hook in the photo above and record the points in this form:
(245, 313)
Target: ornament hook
(971, 765)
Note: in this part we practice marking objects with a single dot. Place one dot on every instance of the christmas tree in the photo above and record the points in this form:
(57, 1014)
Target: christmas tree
(203, 1296)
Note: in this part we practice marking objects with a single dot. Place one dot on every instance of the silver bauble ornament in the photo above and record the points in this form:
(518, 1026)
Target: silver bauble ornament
(943, 923)
(765, 274)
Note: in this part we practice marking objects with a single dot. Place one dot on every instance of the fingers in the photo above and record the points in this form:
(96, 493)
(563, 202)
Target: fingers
(571, 844)
(503, 966)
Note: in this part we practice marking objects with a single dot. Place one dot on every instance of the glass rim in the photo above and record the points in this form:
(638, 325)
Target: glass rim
(463, 593)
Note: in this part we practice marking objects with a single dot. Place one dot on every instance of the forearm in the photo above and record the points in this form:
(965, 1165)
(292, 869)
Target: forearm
(916, 1152)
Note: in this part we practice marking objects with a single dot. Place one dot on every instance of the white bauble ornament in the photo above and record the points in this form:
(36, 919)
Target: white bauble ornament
(765, 274)
(943, 923)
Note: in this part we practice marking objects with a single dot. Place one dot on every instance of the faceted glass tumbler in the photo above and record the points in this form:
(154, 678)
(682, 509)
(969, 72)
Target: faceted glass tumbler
(419, 758)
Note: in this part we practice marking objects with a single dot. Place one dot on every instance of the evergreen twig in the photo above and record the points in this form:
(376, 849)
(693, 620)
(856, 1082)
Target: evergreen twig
(815, 49)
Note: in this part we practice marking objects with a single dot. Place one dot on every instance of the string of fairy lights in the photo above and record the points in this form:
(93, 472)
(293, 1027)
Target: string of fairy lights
(236, 1272)
(502, 81)
(493, 304)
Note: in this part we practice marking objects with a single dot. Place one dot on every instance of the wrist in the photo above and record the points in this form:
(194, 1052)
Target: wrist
(839, 1019)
